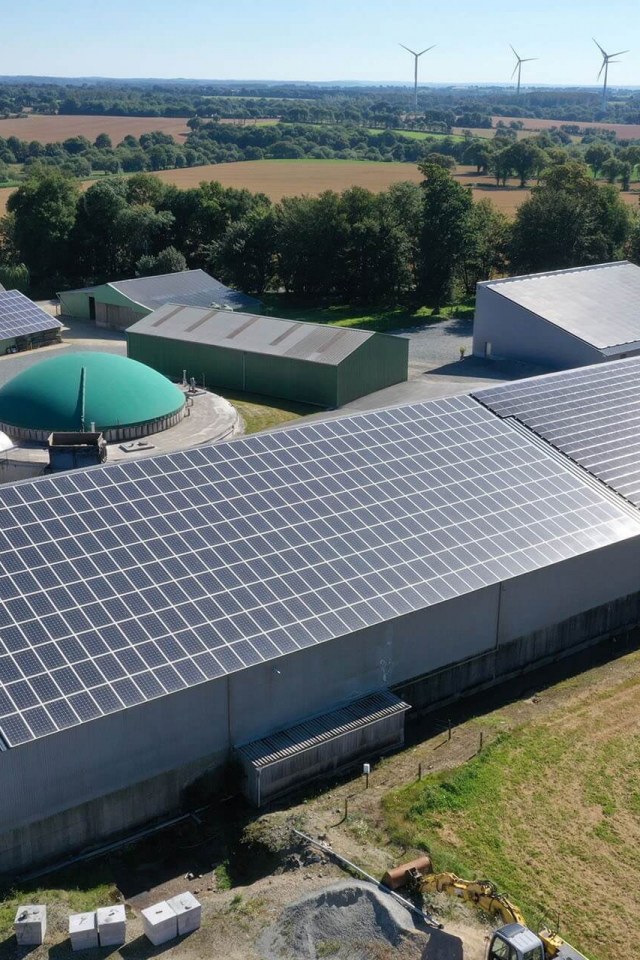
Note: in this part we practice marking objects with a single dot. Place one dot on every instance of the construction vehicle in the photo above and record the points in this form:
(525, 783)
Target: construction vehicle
(513, 941)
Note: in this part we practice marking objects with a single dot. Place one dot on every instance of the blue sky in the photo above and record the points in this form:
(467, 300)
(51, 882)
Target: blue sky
(320, 40)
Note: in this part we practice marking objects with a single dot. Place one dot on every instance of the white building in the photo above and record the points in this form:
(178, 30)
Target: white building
(567, 318)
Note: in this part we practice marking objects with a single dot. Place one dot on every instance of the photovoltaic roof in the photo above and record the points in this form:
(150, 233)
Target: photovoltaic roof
(20, 316)
(597, 304)
(591, 414)
(256, 334)
(120, 584)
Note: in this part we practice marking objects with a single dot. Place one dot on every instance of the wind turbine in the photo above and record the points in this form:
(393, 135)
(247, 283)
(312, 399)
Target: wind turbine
(518, 67)
(607, 58)
(415, 72)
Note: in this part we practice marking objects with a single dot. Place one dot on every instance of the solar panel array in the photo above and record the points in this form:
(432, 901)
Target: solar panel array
(20, 316)
(591, 414)
(124, 583)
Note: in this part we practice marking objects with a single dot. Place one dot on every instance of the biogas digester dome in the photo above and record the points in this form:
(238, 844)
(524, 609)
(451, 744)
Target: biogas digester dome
(123, 398)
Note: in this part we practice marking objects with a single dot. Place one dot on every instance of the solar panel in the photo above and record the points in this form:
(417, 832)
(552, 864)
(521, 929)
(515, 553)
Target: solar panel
(124, 583)
(591, 414)
(20, 316)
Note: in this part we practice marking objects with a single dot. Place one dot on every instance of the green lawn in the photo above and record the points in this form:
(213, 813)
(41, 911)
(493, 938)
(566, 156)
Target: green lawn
(384, 319)
(261, 413)
(551, 813)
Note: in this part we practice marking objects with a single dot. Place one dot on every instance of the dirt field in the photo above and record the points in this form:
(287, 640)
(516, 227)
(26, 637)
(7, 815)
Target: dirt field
(287, 178)
(625, 131)
(58, 128)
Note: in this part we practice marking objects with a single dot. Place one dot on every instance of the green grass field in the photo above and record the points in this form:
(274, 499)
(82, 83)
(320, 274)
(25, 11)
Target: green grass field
(377, 319)
(551, 813)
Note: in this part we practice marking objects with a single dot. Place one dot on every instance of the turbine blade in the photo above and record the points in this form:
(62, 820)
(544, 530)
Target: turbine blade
(515, 69)
(601, 69)
(408, 50)
(599, 47)
(426, 49)
(618, 54)
(529, 60)
(515, 52)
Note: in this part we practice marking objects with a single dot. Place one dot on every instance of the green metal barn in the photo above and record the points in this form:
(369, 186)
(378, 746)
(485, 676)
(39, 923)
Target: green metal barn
(123, 302)
(306, 362)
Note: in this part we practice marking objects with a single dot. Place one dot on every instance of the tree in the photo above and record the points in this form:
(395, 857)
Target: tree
(486, 244)
(168, 260)
(245, 256)
(97, 240)
(478, 153)
(446, 206)
(526, 158)
(103, 141)
(44, 212)
(442, 160)
(568, 221)
(596, 154)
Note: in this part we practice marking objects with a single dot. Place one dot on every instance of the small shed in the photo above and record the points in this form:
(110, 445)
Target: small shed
(362, 730)
(241, 352)
(561, 319)
(122, 302)
(23, 324)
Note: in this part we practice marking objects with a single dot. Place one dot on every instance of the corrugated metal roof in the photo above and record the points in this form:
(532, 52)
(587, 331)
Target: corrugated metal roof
(253, 334)
(599, 304)
(190, 287)
(310, 733)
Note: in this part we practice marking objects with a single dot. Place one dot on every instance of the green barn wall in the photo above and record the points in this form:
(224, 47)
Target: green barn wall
(380, 362)
(75, 303)
(237, 370)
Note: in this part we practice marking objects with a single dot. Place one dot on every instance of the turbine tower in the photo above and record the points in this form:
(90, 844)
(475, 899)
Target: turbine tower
(416, 57)
(607, 58)
(518, 67)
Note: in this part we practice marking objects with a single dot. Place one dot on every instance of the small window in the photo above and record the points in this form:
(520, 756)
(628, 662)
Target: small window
(500, 950)
(487, 348)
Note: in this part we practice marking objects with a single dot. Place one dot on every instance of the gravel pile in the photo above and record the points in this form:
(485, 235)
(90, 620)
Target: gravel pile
(347, 921)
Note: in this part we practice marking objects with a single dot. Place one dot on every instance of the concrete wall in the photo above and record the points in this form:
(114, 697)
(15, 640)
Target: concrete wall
(459, 644)
(518, 334)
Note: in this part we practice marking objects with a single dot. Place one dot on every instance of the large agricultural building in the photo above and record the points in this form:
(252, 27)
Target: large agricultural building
(563, 319)
(306, 362)
(122, 302)
(283, 598)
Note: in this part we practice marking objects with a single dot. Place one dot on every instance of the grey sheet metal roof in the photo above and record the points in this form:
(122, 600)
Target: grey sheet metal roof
(191, 287)
(252, 334)
(311, 733)
(599, 304)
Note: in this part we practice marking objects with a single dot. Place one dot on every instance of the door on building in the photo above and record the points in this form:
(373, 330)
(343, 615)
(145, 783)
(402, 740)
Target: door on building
(92, 308)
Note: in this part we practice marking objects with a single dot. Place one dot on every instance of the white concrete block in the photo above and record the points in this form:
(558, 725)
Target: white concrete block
(30, 924)
(160, 923)
(188, 911)
(112, 925)
(83, 931)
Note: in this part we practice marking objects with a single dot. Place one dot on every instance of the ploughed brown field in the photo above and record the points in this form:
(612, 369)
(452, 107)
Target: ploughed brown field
(286, 178)
(55, 129)
(624, 131)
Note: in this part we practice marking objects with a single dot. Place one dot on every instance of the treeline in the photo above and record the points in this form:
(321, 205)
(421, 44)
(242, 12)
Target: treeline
(424, 243)
(312, 103)
(217, 143)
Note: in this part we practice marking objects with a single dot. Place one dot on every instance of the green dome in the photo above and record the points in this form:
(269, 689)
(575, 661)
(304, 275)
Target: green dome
(114, 391)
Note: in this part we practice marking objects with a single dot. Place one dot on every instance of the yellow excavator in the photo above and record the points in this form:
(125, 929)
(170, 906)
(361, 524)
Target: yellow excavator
(513, 941)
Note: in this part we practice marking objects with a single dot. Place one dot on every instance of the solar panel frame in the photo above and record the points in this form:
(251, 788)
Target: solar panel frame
(19, 316)
(131, 581)
(590, 414)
